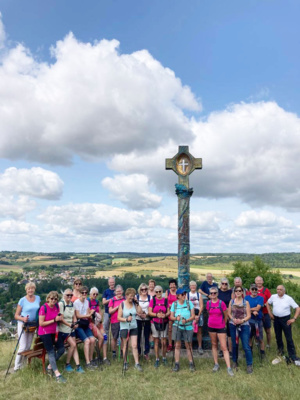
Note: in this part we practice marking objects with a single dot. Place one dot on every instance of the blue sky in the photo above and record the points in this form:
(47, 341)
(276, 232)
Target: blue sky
(87, 119)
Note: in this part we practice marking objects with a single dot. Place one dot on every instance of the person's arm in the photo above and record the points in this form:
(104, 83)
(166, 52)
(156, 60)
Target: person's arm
(105, 301)
(172, 317)
(201, 292)
(18, 316)
(192, 317)
(229, 312)
(112, 310)
(269, 309)
(248, 315)
(201, 307)
(226, 315)
(151, 313)
(42, 321)
(292, 320)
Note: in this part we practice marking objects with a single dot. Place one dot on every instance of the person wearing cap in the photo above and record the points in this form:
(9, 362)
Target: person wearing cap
(282, 304)
(182, 315)
(256, 325)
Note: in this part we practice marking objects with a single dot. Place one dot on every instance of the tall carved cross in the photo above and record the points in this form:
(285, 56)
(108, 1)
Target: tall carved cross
(183, 164)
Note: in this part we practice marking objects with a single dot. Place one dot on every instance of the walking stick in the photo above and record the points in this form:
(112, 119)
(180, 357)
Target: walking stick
(126, 350)
(14, 352)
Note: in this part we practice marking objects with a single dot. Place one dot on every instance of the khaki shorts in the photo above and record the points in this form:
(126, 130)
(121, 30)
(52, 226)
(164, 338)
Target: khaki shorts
(182, 334)
(159, 334)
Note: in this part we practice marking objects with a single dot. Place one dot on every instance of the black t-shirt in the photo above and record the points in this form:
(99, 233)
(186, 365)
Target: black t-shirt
(225, 296)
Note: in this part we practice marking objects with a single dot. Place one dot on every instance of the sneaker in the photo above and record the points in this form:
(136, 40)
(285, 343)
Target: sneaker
(176, 367)
(235, 366)
(216, 368)
(60, 379)
(165, 361)
(146, 357)
(68, 368)
(90, 367)
(276, 360)
(200, 351)
(106, 362)
(192, 367)
(230, 372)
(138, 367)
(96, 362)
(156, 364)
(249, 369)
(79, 369)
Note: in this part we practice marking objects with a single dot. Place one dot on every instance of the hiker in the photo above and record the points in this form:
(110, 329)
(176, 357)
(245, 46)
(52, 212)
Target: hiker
(239, 314)
(237, 282)
(49, 316)
(151, 286)
(26, 311)
(66, 332)
(207, 284)
(107, 295)
(217, 318)
(76, 289)
(83, 332)
(266, 294)
(225, 295)
(96, 325)
(282, 304)
(256, 326)
(113, 307)
(196, 298)
(143, 320)
(182, 315)
(171, 296)
(127, 314)
(159, 311)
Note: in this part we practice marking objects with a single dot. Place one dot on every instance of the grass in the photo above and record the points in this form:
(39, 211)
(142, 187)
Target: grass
(268, 381)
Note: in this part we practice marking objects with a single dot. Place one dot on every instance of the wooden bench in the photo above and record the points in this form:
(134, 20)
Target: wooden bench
(39, 351)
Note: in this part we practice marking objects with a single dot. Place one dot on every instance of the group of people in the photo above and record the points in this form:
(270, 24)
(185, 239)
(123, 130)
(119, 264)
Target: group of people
(149, 318)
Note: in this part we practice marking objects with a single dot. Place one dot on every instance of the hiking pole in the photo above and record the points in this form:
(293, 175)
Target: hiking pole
(189, 344)
(126, 350)
(142, 344)
(15, 350)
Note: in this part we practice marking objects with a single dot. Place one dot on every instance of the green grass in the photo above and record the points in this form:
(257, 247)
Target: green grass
(268, 381)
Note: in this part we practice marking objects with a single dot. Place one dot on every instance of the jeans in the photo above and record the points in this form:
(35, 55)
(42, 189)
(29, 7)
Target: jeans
(280, 324)
(49, 342)
(147, 330)
(244, 334)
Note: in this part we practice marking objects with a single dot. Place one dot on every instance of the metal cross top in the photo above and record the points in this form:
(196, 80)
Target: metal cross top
(183, 164)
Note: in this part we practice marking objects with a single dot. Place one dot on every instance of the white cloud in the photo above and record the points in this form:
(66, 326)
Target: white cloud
(262, 218)
(12, 227)
(15, 207)
(34, 182)
(91, 102)
(132, 190)
(205, 221)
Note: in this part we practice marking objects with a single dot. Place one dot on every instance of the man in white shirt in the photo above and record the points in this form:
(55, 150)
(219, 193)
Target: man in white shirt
(281, 315)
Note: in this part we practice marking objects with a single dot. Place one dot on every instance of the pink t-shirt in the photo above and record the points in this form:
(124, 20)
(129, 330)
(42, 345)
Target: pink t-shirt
(171, 299)
(215, 316)
(159, 307)
(114, 302)
(49, 315)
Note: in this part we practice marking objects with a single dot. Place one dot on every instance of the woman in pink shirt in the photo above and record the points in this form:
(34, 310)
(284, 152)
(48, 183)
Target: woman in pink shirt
(171, 296)
(49, 315)
(217, 318)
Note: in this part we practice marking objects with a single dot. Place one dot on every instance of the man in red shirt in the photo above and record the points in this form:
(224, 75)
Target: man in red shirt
(266, 294)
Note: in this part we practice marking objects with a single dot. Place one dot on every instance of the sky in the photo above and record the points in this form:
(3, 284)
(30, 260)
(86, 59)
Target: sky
(94, 96)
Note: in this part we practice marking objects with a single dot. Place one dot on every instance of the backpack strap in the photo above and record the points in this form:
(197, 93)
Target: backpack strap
(138, 297)
(264, 289)
(149, 298)
(188, 295)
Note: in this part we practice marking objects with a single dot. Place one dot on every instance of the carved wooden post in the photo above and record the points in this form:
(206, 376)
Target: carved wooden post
(183, 164)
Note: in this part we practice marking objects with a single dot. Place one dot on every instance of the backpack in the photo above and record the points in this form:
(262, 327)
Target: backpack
(90, 304)
(219, 307)
(165, 303)
(64, 304)
(188, 306)
(138, 297)
(198, 296)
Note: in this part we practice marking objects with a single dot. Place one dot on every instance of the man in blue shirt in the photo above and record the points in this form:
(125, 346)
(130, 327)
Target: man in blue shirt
(256, 325)
(107, 295)
(206, 285)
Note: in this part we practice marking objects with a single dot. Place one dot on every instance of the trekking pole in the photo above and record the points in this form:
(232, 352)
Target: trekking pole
(126, 350)
(14, 351)
(142, 344)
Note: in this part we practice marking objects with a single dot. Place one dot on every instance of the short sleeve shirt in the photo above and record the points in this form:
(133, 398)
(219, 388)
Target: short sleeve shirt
(184, 312)
(50, 314)
(158, 307)
(205, 286)
(29, 308)
(253, 302)
(82, 307)
(114, 302)
(67, 310)
(282, 305)
(216, 319)
(108, 294)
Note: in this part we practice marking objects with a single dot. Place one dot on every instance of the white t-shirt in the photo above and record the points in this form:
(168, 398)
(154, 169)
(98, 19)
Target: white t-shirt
(282, 305)
(144, 304)
(193, 297)
(80, 306)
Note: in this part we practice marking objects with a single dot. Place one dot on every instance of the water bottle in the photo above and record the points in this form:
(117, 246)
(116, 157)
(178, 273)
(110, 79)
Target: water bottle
(105, 338)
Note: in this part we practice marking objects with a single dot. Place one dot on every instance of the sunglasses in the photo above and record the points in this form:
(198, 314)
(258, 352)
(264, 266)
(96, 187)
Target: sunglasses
(144, 289)
(53, 298)
(238, 291)
(158, 291)
(223, 283)
(254, 289)
(78, 283)
(95, 294)
(69, 295)
(83, 292)
(213, 292)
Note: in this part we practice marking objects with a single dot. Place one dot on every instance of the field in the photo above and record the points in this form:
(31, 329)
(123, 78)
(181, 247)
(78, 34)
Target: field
(268, 381)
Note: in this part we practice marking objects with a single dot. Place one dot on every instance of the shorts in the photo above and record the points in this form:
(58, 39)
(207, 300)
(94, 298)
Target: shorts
(159, 334)
(253, 329)
(216, 330)
(132, 332)
(266, 321)
(64, 335)
(84, 334)
(228, 329)
(115, 330)
(179, 334)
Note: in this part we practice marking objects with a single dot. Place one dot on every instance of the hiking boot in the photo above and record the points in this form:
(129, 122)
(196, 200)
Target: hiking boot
(156, 364)
(60, 379)
(249, 369)
(138, 367)
(176, 367)
(235, 366)
(165, 361)
(169, 348)
(192, 367)
(230, 372)
(106, 362)
(200, 351)
(216, 368)
(79, 369)
(68, 368)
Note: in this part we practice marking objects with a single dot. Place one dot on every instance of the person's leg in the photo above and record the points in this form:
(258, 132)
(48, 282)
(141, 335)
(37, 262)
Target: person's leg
(22, 346)
(223, 344)
(147, 329)
(278, 334)
(72, 342)
(86, 350)
(287, 329)
(245, 334)
(134, 347)
(177, 351)
(214, 346)
(92, 346)
(48, 344)
(233, 341)
(267, 327)
(164, 347)
(60, 348)
(199, 337)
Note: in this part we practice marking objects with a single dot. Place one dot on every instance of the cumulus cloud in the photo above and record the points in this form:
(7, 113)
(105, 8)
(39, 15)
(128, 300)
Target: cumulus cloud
(12, 227)
(205, 221)
(262, 218)
(34, 182)
(132, 190)
(15, 206)
(91, 101)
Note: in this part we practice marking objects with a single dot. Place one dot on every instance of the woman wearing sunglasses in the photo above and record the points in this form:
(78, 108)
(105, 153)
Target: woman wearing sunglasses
(239, 314)
(159, 311)
(49, 316)
(225, 295)
(67, 310)
(83, 332)
(143, 320)
(76, 289)
(217, 318)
